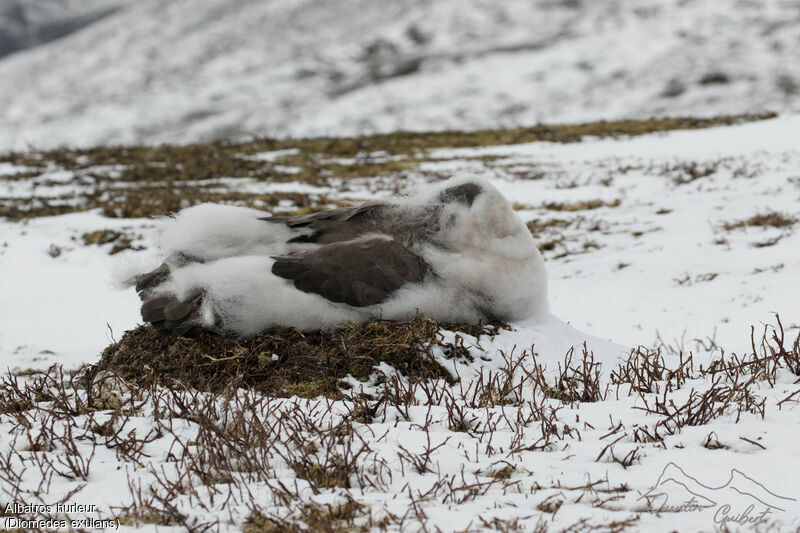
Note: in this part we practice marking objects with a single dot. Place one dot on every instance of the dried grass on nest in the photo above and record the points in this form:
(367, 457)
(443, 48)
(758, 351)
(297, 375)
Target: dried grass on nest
(285, 362)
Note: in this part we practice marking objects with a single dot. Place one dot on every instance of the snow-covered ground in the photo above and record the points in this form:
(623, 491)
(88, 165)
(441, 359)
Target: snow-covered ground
(646, 244)
(183, 70)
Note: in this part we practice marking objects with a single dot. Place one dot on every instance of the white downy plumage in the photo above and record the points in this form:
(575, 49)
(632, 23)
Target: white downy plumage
(481, 263)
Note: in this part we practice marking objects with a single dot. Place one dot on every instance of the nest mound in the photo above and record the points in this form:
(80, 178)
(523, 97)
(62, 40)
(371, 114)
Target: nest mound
(286, 362)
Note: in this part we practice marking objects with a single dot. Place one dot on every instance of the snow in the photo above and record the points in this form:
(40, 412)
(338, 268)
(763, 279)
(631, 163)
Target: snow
(64, 308)
(181, 71)
(651, 299)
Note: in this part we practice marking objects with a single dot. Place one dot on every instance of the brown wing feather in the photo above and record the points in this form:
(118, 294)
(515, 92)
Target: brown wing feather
(171, 316)
(350, 223)
(335, 225)
(358, 273)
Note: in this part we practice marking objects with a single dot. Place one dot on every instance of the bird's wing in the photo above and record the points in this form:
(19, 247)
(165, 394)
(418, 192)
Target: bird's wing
(359, 273)
(335, 225)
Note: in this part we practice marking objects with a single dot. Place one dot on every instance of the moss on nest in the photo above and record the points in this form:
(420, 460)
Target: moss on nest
(285, 362)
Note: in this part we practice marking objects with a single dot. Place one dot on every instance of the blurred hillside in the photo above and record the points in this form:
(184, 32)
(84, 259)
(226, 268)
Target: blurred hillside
(84, 72)
(28, 23)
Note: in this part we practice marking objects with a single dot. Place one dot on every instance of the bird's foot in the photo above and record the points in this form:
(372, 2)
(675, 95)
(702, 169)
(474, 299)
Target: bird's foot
(172, 316)
(154, 278)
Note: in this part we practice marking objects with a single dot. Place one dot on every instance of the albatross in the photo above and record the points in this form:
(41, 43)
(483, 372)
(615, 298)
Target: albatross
(454, 252)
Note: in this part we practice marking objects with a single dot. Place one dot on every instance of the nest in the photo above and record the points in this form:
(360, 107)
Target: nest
(286, 362)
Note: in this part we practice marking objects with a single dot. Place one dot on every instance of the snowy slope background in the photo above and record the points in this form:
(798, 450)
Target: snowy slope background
(183, 71)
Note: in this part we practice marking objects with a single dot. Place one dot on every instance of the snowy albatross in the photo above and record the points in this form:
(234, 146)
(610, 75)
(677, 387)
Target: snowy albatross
(455, 252)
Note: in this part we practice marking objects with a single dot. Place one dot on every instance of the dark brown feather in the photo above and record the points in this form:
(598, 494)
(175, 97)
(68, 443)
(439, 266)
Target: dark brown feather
(171, 316)
(349, 223)
(152, 279)
(464, 194)
(358, 273)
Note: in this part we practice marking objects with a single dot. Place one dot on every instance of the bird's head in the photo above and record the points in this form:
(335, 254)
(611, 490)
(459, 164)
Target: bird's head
(477, 215)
